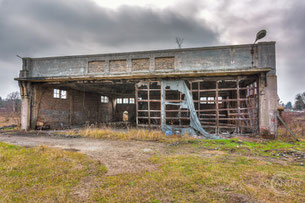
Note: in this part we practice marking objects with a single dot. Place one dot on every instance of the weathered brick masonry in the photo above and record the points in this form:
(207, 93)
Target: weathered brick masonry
(78, 109)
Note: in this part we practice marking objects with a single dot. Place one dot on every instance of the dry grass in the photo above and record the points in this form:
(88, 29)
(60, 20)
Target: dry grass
(296, 122)
(130, 134)
(6, 120)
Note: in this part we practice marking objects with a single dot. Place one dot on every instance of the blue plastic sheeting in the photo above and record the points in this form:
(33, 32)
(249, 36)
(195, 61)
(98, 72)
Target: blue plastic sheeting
(188, 103)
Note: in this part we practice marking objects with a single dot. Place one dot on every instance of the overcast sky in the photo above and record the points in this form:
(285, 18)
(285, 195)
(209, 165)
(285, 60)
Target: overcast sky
(37, 28)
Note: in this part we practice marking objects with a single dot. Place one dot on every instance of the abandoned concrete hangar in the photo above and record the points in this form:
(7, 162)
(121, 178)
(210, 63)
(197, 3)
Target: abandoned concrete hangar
(215, 89)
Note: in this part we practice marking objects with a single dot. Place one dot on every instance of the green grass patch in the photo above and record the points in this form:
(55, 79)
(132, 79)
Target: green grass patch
(41, 174)
(191, 178)
(263, 148)
(49, 175)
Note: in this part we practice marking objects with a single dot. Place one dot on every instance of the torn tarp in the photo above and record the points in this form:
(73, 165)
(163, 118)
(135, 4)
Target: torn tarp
(188, 103)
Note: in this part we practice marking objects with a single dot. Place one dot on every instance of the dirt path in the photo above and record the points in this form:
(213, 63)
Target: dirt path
(118, 156)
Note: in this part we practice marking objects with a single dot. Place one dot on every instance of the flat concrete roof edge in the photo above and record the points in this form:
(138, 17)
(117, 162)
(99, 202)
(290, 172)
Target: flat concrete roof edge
(149, 51)
(149, 75)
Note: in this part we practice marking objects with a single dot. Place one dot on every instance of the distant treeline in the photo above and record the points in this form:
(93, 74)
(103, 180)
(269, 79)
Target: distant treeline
(12, 103)
(299, 102)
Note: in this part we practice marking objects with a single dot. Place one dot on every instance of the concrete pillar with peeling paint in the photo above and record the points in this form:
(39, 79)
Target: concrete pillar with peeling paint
(25, 91)
(268, 103)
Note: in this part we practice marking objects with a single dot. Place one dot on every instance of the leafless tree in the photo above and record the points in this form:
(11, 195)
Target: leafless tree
(13, 101)
(179, 42)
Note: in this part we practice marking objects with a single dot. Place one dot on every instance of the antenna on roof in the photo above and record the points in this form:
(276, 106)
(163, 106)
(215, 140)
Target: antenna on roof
(19, 56)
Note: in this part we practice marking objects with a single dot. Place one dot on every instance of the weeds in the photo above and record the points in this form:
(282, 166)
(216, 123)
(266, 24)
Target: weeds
(262, 148)
(296, 122)
(131, 134)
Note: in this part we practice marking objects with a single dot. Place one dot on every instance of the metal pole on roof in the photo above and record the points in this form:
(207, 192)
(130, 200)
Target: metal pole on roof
(260, 35)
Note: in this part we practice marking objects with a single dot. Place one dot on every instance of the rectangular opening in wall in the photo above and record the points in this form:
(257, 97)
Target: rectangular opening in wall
(203, 100)
(131, 100)
(211, 100)
(59, 94)
(104, 99)
(63, 94)
(125, 100)
(56, 93)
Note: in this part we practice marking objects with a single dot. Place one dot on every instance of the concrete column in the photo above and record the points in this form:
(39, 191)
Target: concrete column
(268, 103)
(25, 90)
(151, 64)
(70, 97)
(35, 104)
(25, 113)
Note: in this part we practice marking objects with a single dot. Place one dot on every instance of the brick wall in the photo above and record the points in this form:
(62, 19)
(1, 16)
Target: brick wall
(53, 111)
(105, 112)
(164, 63)
(117, 65)
(140, 64)
(80, 107)
(96, 67)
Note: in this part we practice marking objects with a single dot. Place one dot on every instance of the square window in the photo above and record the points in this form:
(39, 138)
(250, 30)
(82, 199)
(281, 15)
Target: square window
(63, 94)
(125, 101)
(131, 101)
(219, 100)
(56, 93)
(104, 99)
(119, 100)
(203, 100)
(210, 99)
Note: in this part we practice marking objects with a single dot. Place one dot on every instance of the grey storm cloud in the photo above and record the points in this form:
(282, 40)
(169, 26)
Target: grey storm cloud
(37, 28)
(31, 26)
(41, 28)
(284, 24)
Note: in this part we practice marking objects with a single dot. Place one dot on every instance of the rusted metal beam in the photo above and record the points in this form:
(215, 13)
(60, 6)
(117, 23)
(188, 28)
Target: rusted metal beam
(217, 109)
(238, 105)
(148, 104)
(137, 106)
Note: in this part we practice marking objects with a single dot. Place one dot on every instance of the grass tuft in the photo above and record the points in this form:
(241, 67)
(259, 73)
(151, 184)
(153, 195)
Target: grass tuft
(131, 134)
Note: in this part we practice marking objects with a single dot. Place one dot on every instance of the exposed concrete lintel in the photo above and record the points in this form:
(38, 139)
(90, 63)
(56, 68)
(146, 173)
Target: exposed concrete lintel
(156, 75)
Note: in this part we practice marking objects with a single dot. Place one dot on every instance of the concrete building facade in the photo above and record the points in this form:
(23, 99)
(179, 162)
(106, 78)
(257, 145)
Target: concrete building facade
(231, 90)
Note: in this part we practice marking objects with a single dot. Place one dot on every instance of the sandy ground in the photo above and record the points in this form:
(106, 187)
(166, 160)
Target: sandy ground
(118, 156)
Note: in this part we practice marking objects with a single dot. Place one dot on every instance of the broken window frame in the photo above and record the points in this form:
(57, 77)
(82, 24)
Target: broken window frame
(222, 114)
